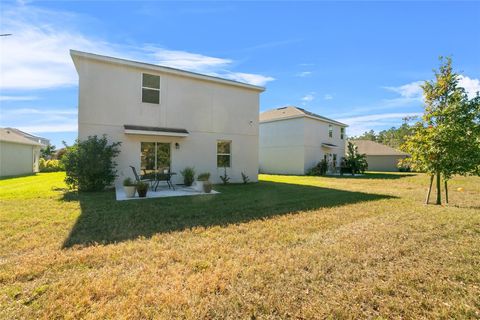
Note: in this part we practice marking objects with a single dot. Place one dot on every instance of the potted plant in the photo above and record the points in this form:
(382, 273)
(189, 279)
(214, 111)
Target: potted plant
(207, 186)
(142, 188)
(201, 179)
(129, 188)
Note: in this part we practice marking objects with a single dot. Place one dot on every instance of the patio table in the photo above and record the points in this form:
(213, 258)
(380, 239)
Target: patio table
(164, 177)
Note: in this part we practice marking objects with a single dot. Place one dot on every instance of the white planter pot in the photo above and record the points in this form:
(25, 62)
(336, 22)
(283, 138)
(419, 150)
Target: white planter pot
(198, 186)
(129, 191)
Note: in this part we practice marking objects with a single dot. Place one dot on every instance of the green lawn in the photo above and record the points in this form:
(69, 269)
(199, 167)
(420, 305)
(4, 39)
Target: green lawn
(287, 247)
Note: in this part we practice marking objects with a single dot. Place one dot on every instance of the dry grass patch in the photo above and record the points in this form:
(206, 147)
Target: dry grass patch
(287, 247)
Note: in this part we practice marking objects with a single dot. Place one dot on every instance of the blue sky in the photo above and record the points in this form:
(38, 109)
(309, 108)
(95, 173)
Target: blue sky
(358, 62)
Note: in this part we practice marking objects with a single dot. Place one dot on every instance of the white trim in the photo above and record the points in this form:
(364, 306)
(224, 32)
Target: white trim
(167, 70)
(156, 133)
(306, 116)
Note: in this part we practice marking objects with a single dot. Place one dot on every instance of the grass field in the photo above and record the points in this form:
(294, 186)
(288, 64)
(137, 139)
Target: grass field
(287, 247)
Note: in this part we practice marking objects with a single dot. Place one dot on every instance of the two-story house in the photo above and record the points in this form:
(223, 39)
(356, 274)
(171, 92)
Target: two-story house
(293, 140)
(168, 119)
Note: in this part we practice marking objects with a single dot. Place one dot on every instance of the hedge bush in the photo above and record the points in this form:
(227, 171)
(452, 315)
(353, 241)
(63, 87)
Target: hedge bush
(50, 165)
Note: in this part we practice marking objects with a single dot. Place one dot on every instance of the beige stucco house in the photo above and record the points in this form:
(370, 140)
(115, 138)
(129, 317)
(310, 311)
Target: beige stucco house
(379, 156)
(293, 140)
(18, 155)
(168, 119)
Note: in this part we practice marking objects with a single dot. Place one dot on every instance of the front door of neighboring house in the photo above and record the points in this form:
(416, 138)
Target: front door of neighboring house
(155, 157)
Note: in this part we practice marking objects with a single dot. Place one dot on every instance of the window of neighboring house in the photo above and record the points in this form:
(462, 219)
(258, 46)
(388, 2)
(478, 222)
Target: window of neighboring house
(330, 130)
(150, 88)
(224, 154)
(342, 133)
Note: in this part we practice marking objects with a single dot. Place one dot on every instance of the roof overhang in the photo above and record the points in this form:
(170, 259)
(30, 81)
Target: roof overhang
(306, 116)
(155, 131)
(330, 146)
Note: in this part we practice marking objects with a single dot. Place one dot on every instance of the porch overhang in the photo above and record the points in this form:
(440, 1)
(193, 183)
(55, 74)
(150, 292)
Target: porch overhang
(155, 131)
(330, 146)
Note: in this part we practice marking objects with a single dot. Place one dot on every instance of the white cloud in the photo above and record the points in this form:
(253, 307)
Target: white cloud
(37, 55)
(328, 97)
(188, 61)
(18, 98)
(71, 126)
(303, 74)
(255, 79)
(360, 124)
(472, 86)
(410, 90)
(40, 120)
(308, 97)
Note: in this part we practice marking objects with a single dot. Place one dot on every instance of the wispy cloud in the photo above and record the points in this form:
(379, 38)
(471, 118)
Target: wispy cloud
(328, 97)
(304, 74)
(18, 98)
(37, 55)
(410, 90)
(360, 124)
(40, 120)
(308, 98)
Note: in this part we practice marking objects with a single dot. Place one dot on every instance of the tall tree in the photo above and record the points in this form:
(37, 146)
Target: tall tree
(446, 141)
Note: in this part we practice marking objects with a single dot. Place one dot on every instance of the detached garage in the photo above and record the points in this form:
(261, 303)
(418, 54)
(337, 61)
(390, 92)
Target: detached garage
(380, 157)
(18, 155)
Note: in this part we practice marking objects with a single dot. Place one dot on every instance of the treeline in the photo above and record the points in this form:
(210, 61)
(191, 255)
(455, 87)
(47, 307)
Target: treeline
(393, 137)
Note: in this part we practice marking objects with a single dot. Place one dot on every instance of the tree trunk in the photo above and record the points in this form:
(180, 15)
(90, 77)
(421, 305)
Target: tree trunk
(429, 190)
(439, 191)
(446, 192)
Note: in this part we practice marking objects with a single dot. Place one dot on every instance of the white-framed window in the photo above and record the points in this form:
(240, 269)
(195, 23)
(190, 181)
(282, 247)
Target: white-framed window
(342, 133)
(150, 88)
(330, 131)
(224, 153)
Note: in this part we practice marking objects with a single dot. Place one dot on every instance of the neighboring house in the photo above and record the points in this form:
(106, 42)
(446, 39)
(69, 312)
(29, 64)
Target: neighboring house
(43, 141)
(293, 140)
(380, 157)
(168, 119)
(18, 155)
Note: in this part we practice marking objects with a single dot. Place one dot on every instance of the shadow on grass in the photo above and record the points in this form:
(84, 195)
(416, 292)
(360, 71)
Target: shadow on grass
(18, 176)
(104, 220)
(374, 175)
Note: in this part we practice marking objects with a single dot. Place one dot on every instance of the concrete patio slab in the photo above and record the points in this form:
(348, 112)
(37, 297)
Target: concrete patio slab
(162, 193)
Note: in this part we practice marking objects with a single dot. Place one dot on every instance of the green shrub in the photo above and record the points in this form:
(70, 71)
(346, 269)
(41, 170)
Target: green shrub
(319, 170)
(203, 176)
(225, 178)
(127, 182)
(50, 165)
(356, 162)
(404, 165)
(188, 176)
(245, 178)
(90, 165)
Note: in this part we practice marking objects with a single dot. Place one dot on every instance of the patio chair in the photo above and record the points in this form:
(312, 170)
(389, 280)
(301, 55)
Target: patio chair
(139, 178)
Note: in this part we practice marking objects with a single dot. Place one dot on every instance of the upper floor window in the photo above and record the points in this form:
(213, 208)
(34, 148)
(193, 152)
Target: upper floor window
(224, 154)
(330, 130)
(342, 133)
(150, 88)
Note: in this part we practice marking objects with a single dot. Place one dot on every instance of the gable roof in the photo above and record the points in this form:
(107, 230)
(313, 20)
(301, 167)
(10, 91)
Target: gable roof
(41, 140)
(291, 112)
(372, 148)
(154, 67)
(11, 136)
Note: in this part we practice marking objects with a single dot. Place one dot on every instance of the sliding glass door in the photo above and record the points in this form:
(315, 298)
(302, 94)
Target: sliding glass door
(155, 157)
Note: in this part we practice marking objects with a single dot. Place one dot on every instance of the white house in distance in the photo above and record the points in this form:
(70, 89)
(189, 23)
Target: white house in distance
(18, 154)
(379, 156)
(168, 119)
(293, 140)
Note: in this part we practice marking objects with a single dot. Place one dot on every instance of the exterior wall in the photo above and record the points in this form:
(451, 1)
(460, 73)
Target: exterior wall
(316, 133)
(16, 159)
(383, 163)
(110, 97)
(281, 148)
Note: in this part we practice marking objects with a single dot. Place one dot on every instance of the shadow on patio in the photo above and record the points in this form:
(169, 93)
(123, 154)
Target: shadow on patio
(104, 220)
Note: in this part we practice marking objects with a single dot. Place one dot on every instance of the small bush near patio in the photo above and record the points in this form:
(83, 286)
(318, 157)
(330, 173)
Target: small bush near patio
(90, 165)
(319, 170)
